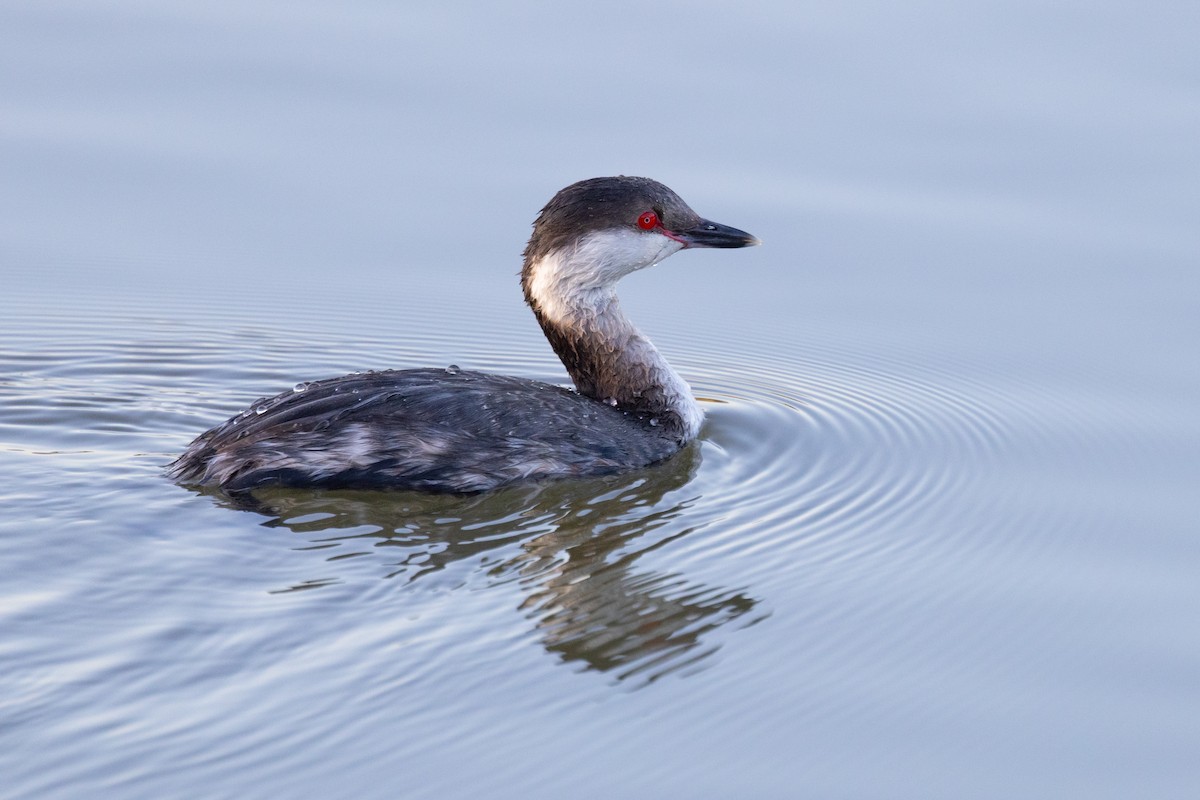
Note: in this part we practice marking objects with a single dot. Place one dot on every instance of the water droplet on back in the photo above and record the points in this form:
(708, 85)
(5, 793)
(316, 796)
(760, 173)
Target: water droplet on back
(453, 369)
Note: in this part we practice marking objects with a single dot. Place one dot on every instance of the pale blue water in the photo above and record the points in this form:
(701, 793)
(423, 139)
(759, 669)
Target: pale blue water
(939, 537)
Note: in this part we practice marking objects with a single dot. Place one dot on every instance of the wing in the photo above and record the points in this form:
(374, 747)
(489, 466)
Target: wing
(429, 429)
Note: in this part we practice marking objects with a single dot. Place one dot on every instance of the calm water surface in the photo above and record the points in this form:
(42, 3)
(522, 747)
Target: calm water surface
(938, 537)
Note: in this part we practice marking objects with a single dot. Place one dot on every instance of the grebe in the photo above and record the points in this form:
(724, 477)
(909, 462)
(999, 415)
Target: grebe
(451, 430)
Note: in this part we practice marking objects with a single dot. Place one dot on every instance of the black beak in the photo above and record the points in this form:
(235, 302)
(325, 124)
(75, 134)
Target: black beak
(713, 234)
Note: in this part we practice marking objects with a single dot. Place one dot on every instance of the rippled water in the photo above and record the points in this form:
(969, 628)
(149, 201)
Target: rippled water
(937, 538)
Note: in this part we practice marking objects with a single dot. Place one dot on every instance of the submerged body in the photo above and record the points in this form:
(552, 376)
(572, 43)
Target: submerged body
(462, 431)
(427, 429)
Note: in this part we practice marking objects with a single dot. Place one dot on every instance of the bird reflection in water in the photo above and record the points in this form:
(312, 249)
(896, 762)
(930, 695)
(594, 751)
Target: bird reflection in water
(573, 547)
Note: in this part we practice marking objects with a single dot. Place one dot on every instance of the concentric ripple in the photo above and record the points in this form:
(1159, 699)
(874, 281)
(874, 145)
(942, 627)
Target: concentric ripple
(823, 447)
(811, 461)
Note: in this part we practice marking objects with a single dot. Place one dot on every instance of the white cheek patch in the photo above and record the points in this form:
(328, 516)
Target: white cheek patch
(581, 278)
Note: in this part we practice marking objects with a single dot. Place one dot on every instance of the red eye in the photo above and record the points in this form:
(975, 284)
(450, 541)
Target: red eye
(648, 221)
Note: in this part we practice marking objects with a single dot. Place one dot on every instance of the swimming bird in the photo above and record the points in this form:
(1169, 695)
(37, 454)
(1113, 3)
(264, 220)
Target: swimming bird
(452, 430)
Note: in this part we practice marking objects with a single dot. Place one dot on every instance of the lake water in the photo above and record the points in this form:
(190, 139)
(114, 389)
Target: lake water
(939, 537)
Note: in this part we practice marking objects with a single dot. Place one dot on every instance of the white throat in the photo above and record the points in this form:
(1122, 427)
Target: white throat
(582, 278)
(573, 289)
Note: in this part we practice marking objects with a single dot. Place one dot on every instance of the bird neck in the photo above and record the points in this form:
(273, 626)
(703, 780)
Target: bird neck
(606, 356)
